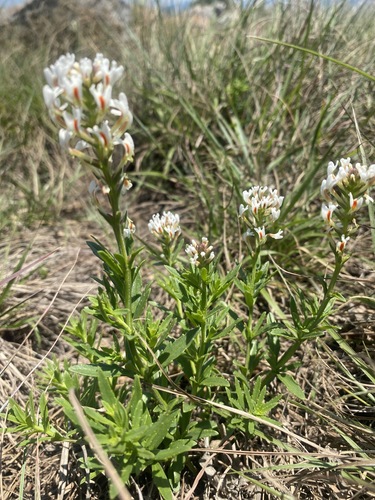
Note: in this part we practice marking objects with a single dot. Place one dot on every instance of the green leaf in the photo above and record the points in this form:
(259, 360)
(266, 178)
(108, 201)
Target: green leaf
(43, 410)
(175, 448)
(294, 311)
(291, 385)
(161, 482)
(316, 54)
(173, 350)
(98, 421)
(68, 410)
(136, 396)
(215, 382)
(19, 415)
(158, 431)
(139, 303)
(92, 370)
(106, 391)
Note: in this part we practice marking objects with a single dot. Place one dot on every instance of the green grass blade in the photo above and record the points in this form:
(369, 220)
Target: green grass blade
(316, 54)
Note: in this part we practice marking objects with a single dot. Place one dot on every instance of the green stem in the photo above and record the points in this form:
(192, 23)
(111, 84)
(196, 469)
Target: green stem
(118, 229)
(294, 347)
(250, 304)
(328, 295)
(117, 224)
(202, 341)
(255, 267)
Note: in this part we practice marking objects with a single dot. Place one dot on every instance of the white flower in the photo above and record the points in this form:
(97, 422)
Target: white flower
(355, 203)
(331, 167)
(262, 209)
(165, 226)
(328, 185)
(340, 245)
(346, 189)
(200, 253)
(275, 213)
(73, 88)
(120, 108)
(347, 174)
(78, 96)
(103, 133)
(263, 202)
(327, 211)
(128, 145)
(126, 184)
(73, 123)
(51, 95)
(64, 139)
(261, 232)
(56, 72)
(242, 209)
(106, 72)
(367, 174)
(276, 236)
(102, 95)
(129, 228)
(85, 65)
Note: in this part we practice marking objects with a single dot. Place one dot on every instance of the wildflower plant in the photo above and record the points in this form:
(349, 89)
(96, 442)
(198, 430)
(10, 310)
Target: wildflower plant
(145, 419)
(166, 229)
(345, 189)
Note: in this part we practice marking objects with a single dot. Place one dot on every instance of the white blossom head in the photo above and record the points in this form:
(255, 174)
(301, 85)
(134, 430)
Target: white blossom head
(260, 211)
(344, 176)
(80, 98)
(345, 189)
(200, 253)
(165, 227)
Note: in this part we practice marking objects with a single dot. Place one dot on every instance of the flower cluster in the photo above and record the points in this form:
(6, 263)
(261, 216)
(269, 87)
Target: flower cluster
(345, 190)
(165, 227)
(92, 121)
(200, 254)
(261, 211)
